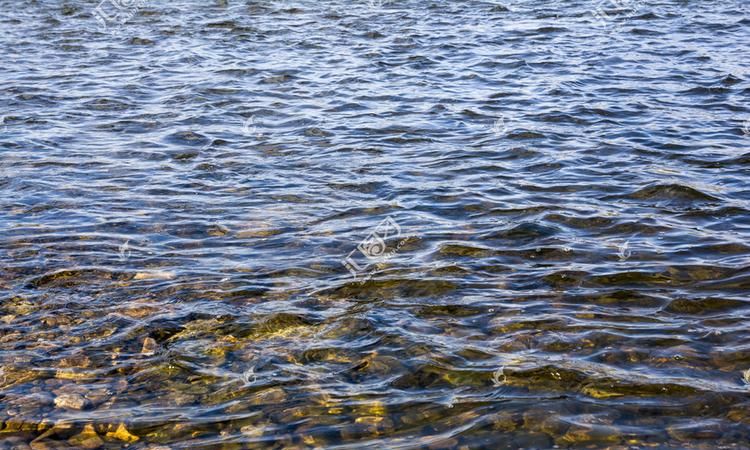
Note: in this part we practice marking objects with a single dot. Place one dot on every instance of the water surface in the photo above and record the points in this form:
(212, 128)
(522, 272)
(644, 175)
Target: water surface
(564, 192)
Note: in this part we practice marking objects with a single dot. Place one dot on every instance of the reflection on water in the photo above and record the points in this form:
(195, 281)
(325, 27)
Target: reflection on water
(387, 224)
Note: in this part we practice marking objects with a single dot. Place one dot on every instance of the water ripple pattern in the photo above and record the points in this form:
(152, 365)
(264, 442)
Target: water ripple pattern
(374, 224)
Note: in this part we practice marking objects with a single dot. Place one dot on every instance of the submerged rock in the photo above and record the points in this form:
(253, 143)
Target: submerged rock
(578, 436)
(269, 396)
(122, 434)
(504, 422)
(87, 439)
(155, 275)
(72, 401)
(149, 346)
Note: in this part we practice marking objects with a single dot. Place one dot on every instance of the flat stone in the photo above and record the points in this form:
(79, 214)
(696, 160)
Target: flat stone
(154, 276)
(71, 401)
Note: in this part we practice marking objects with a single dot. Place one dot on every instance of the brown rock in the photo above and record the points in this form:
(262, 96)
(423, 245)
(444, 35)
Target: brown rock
(87, 439)
(156, 275)
(269, 396)
(122, 434)
(71, 401)
(590, 435)
(8, 318)
(261, 232)
(253, 430)
(504, 422)
(79, 361)
(149, 346)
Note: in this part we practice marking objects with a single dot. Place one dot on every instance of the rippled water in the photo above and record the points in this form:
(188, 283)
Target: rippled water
(385, 224)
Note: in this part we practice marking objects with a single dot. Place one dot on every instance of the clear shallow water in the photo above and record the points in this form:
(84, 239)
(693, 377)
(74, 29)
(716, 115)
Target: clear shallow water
(567, 253)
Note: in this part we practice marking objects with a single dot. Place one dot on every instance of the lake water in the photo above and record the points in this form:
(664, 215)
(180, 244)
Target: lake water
(374, 224)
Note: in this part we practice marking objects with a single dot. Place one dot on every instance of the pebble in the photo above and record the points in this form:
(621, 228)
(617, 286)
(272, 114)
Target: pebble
(149, 346)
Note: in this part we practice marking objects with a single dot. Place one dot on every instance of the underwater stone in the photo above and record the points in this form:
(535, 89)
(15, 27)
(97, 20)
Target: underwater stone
(71, 401)
(87, 439)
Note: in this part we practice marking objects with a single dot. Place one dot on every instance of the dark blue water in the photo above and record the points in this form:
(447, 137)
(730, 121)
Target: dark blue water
(385, 224)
